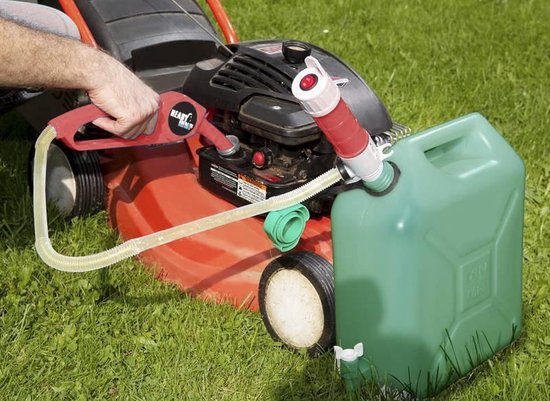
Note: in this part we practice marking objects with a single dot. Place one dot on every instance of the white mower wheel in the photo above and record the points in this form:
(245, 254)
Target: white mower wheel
(60, 180)
(296, 297)
(74, 183)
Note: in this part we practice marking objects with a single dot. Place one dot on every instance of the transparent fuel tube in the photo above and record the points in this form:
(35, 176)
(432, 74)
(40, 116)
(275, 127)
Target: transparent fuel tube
(135, 246)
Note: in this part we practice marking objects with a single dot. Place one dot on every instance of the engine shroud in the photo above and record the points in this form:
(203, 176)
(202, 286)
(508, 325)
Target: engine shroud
(248, 94)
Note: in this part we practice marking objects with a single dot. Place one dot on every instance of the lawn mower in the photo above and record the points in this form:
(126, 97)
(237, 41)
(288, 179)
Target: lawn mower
(247, 91)
(288, 132)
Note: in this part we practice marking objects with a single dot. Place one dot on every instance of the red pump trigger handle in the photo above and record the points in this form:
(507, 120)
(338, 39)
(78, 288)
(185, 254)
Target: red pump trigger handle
(179, 118)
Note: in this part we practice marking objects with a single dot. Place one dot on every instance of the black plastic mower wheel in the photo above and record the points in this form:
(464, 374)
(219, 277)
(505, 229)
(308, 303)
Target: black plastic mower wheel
(296, 297)
(74, 183)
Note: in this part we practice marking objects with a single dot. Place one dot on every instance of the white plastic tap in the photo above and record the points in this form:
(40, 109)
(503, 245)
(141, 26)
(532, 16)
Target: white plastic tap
(348, 354)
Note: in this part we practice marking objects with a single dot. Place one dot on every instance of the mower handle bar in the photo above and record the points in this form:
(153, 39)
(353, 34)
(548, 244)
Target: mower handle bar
(68, 124)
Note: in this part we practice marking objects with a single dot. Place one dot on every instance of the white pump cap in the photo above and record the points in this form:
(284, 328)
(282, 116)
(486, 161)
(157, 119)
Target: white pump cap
(319, 94)
(348, 354)
(367, 165)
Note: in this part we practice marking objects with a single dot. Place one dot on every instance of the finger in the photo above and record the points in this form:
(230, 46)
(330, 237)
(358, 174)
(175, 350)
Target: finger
(147, 124)
(139, 130)
(132, 132)
(130, 129)
(151, 124)
(140, 122)
(114, 127)
(107, 124)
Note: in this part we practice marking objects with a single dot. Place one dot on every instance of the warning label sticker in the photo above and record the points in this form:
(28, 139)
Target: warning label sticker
(250, 189)
(227, 179)
(270, 48)
(241, 185)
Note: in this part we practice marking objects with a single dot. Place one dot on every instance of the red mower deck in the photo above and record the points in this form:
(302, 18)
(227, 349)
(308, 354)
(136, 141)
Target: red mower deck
(150, 189)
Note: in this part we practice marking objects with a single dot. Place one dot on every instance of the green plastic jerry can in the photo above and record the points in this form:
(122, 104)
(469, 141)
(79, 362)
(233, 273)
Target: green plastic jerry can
(428, 276)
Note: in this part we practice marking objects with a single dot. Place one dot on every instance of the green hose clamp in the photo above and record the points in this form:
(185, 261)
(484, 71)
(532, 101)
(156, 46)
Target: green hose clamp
(285, 227)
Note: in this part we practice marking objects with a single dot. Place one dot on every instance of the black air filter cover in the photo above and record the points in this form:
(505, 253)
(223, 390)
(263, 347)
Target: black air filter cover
(256, 83)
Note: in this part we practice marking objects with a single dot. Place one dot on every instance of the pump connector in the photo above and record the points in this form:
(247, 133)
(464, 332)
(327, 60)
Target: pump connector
(233, 149)
(226, 145)
(321, 98)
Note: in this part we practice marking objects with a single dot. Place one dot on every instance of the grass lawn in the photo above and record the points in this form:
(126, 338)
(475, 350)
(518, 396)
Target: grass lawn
(121, 335)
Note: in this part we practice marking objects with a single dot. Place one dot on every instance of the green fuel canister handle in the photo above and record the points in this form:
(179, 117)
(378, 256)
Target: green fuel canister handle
(285, 227)
(468, 136)
(445, 133)
(457, 149)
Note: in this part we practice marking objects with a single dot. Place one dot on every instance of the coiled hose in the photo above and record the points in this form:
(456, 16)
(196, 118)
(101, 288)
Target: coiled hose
(137, 245)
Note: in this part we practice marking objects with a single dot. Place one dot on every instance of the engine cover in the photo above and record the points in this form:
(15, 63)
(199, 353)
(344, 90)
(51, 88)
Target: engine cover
(254, 84)
(248, 94)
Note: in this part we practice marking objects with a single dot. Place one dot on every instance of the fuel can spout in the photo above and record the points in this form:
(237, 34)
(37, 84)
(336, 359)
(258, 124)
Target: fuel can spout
(321, 98)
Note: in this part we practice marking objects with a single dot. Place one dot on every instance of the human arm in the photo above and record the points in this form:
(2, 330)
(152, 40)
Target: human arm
(30, 58)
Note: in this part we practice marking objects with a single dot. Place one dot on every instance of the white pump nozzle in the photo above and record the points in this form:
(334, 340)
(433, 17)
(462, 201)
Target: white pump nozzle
(321, 95)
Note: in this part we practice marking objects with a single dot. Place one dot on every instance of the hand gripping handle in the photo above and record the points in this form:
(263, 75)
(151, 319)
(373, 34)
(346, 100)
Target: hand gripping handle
(179, 117)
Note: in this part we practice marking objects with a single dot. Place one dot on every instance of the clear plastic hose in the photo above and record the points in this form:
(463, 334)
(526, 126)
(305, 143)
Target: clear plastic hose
(137, 245)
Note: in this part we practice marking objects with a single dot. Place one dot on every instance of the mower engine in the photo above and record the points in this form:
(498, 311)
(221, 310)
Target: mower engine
(248, 94)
